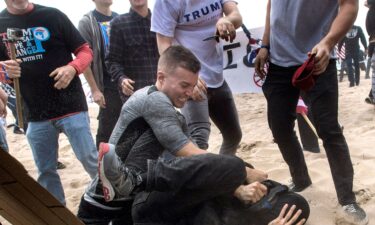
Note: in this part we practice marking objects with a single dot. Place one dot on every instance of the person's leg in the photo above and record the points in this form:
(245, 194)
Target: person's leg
(3, 140)
(368, 67)
(357, 73)
(91, 214)
(43, 140)
(373, 75)
(282, 100)
(324, 104)
(108, 116)
(77, 129)
(198, 121)
(223, 113)
(184, 183)
(349, 64)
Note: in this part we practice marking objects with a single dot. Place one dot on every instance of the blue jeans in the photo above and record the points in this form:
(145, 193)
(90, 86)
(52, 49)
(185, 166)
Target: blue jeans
(43, 139)
(3, 140)
(220, 107)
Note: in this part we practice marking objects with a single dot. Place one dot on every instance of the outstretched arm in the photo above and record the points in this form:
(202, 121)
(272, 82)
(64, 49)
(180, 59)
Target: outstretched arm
(345, 18)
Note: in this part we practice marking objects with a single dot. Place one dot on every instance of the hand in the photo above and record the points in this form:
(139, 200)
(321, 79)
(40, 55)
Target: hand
(12, 68)
(322, 51)
(254, 175)
(98, 98)
(251, 193)
(200, 90)
(288, 219)
(63, 76)
(127, 86)
(260, 61)
(225, 29)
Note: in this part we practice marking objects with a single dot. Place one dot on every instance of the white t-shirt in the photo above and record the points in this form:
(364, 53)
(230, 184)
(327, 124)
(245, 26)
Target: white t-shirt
(188, 22)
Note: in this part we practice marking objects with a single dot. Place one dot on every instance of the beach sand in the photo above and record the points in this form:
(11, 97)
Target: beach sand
(257, 147)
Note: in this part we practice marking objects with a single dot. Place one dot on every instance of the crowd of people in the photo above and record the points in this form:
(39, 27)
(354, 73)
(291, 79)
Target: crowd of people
(149, 164)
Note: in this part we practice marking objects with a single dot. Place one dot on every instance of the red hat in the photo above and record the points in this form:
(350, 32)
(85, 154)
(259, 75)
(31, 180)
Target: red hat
(304, 78)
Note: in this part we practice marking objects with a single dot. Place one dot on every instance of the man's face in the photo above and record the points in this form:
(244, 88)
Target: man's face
(103, 2)
(138, 3)
(17, 6)
(178, 86)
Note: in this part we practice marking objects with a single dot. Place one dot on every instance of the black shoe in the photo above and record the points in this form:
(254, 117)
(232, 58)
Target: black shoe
(60, 165)
(370, 100)
(354, 214)
(351, 85)
(298, 188)
(18, 130)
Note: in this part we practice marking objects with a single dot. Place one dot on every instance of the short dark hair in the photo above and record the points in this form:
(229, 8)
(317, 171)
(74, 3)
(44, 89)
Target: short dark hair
(178, 56)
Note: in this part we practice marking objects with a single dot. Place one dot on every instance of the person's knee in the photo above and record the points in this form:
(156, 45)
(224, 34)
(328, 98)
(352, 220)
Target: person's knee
(200, 135)
(231, 166)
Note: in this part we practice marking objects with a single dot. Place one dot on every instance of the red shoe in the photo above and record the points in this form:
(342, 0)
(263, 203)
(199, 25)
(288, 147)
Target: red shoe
(108, 190)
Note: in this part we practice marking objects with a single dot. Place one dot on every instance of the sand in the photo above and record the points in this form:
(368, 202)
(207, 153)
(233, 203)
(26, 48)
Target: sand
(257, 147)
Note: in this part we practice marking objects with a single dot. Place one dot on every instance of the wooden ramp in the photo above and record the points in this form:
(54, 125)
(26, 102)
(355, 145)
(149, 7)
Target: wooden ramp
(24, 202)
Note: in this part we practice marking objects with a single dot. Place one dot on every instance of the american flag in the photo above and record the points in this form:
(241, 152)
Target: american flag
(341, 53)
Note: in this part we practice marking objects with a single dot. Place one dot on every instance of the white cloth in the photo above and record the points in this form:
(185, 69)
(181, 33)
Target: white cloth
(188, 22)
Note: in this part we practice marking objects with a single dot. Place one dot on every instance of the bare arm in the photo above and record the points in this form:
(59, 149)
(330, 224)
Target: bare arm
(342, 23)
(263, 53)
(96, 93)
(226, 26)
(163, 42)
(190, 149)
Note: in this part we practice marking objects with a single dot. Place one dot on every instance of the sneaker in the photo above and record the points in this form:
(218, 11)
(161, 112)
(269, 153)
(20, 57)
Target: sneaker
(298, 188)
(60, 165)
(108, 191)
(370, 100)
(118, 181)
(17, 130)
(354, 214)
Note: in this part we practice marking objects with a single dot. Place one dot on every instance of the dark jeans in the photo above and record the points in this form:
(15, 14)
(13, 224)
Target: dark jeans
(220, 107)
(180, 186)
(353, 76)
(93, 215)
(308, 138)
(282, 99)
(108, 116)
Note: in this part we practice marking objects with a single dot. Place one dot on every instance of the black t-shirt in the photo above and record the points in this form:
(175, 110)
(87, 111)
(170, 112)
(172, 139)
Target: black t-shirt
(103, 23)
(49, 38)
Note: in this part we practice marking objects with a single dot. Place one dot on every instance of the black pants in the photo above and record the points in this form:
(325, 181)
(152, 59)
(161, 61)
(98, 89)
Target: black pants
(282, 99)
(108, 116)
(93, 215)
(353, 76)
(182, 185)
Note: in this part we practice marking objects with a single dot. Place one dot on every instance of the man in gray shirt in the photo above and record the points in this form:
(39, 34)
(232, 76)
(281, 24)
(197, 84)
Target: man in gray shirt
(295, 30)
(150, 126)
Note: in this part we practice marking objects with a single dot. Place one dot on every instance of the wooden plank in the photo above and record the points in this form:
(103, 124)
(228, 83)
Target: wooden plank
(67, 216)
(5, 177)
(11, 219)
(16, 209)
(33, 203)
(23, 200)
(18, 172)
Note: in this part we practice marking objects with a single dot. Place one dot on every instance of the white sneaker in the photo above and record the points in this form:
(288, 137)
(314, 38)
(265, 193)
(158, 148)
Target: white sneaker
(354, 214)
(108, 191)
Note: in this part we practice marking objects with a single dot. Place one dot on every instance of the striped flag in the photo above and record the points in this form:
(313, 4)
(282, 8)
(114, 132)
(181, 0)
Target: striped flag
(341, 53)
